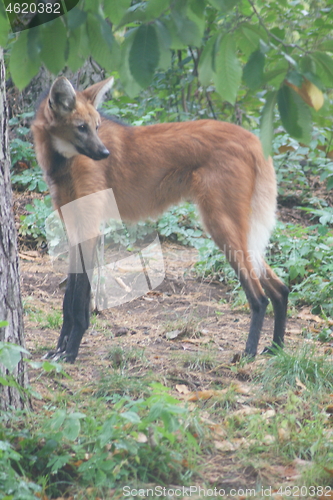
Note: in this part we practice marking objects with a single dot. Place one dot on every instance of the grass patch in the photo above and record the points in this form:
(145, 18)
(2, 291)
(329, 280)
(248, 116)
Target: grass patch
(115, 384)
(50, 321)
(187, 327)
(201, 362)
(124, 359)
(303, 367)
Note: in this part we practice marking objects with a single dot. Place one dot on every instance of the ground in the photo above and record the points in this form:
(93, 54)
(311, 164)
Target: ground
(189, 334)
(182, 304)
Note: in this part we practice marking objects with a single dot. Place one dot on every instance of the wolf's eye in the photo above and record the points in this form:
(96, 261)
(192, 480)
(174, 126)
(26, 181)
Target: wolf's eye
(83, 127)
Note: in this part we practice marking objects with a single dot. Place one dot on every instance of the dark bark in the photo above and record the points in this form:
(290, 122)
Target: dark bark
(10, 294)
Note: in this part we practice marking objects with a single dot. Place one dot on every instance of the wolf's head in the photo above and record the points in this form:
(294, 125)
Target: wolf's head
(73, 121)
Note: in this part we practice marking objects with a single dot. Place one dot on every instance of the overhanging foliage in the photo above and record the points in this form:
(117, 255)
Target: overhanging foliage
(281, 50)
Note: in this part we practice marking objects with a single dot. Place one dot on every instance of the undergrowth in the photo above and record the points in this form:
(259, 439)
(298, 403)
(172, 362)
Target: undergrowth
(124, 428)
(113, 441)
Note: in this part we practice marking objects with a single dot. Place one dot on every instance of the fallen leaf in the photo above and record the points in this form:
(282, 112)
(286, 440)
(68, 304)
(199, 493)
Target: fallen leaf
(173, 335)
(240, 388)
(294, 331)
(268, 414)
(141, 438)
(204, 395)
(224, 446)
(78, 463)
(218, 430)
(235, 444)
(268, 439)
(306, 315)
(283, 434)
(244, 411)
(330, 471)
(201, 340)
(182, 389)
(300, 384)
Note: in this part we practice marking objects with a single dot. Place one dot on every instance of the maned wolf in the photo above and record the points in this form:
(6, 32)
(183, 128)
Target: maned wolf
(218, 165)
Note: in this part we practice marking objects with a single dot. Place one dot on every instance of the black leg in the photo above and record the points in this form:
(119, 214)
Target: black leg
(67, 313)
(258, 309)
(76, 304)
(80, 311)
(278, 293)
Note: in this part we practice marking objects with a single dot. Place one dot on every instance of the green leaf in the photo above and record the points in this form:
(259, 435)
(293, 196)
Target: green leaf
(324, 67)
(132, 88)
(195, 13)
(114, 50)
(144, 54)
(75, 18)
(57, 462)
(53, 45)
(92, 5)
(223, 5)
(205, 67)
(228, 74)
(198, 7)
(57, 420)
(72, 428)
(76, 415)
(248, 37)
(279, 32)
(131, 416)
(103, 46)
(84, 47)
(266, 123)
(295, 114)
(188, 30)
(155, 8)
(21, 66)
(74, 59)
(326, 46)
(3, 323)
(4, 25)
(276, 76)
(115, 10)
(307, 64)
(34, 43)
(295, 78)
(164, 42)
(134, 14)
(288, 111)
(253, 70)
(10, 355)
(176, 42)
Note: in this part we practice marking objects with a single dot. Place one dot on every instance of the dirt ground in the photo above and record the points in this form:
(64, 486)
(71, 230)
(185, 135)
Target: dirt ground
(199, 308)
(183, 316)
(143, 321)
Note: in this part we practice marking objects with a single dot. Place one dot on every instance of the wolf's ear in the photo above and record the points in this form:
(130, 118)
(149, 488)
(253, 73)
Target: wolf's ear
(62, 97)
(96, 92)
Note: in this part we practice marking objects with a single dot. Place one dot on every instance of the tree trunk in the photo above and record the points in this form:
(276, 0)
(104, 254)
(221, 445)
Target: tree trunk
(10, 293)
